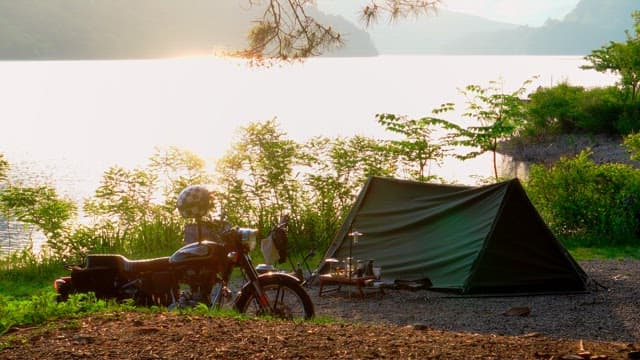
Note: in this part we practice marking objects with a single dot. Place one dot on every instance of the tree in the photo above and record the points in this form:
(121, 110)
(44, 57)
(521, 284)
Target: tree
(39, 206)
(622, 58)
(500, 115)
(417, 149)
(337, 169)
(286, 30)
(257, 178)
(124, 197)
(176, 169)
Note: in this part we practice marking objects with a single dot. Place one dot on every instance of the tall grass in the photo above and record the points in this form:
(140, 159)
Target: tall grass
(23, 273)
(154, 238)
(158, 238)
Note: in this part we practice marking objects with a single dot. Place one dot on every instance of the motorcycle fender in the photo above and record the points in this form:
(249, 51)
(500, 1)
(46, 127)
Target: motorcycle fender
(278, 274)
(270, 275)
(62, 284)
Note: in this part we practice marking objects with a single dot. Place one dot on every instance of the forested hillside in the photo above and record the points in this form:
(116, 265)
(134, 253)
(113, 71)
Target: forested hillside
(115, 29)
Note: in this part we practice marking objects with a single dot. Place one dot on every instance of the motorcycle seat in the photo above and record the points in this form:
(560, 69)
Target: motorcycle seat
(115, 261)
(146, 265)
(109, 261)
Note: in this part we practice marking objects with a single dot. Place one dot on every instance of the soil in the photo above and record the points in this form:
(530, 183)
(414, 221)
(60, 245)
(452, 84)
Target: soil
(601, 324)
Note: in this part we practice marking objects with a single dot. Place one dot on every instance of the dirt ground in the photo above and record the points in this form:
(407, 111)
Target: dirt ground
(414, 325)
(173, 336)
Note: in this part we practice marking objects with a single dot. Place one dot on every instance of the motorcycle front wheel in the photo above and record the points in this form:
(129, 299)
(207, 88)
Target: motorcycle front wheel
(287, 299)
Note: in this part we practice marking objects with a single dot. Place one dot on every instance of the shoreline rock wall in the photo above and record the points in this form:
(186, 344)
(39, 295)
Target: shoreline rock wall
(605, 149)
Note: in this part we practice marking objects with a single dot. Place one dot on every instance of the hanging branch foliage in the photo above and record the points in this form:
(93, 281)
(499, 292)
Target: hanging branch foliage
(286, 31)
(396, 9)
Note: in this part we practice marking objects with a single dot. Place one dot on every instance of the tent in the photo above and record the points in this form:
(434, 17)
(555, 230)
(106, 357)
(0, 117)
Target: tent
(470, 240)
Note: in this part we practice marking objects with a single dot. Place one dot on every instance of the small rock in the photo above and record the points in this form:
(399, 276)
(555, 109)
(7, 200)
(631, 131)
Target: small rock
(83, 339)
(572, 357)
(518, 311)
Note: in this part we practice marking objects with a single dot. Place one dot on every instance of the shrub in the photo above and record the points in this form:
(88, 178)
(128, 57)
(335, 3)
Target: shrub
(600, 111)
(588, 204)
(573, 109)
(553, 110)
(629, 119)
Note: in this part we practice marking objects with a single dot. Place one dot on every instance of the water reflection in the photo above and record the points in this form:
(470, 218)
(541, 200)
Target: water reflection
(15, 236)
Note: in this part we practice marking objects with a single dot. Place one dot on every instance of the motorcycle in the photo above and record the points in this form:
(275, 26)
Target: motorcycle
(198, 272)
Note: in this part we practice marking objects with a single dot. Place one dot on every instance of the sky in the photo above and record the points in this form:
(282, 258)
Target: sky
(521, 12)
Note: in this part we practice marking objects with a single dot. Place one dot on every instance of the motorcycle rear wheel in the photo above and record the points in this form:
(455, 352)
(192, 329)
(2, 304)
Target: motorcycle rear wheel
(287, 299)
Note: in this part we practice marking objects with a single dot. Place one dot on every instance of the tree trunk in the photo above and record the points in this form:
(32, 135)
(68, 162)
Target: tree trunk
(495, 166)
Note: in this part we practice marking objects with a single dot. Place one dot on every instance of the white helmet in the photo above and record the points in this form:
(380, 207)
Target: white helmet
(194, 201)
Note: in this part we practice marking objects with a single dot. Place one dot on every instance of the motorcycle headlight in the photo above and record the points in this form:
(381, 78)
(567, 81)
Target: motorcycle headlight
(248, 237)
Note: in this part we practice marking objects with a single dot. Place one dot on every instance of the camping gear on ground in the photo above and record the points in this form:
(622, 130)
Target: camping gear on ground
(359, 282)
(470, 240)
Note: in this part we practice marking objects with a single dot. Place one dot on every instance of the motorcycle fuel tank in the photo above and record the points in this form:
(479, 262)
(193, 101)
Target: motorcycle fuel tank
(196, 251)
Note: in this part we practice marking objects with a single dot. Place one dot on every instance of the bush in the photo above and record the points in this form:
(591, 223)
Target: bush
(566, 109)
(600, 111)
(553, 110)
(629, 119)
(42, 307)
(588, 204)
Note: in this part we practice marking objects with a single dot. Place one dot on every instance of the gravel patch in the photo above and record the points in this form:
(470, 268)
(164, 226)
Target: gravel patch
(611, 313)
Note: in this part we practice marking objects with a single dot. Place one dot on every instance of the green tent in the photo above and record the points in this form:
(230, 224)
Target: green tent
(470, 240)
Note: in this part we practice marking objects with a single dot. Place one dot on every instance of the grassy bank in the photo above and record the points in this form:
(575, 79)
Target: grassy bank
(604, 253)
(27, 295)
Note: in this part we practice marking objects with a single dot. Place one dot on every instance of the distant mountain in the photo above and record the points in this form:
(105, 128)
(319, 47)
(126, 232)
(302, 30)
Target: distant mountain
(590, 25)
(122, 29)
(431, 34)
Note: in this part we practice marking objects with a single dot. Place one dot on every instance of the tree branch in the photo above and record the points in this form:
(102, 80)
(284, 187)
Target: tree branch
(287, 32)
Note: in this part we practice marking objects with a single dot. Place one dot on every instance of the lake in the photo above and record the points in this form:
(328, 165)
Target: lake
(65, 122)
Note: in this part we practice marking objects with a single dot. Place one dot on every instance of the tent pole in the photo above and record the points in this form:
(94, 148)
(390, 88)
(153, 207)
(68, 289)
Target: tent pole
(354, 240)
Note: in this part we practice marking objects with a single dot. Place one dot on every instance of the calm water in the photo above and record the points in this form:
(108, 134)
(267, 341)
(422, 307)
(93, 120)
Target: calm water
(65, 122)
